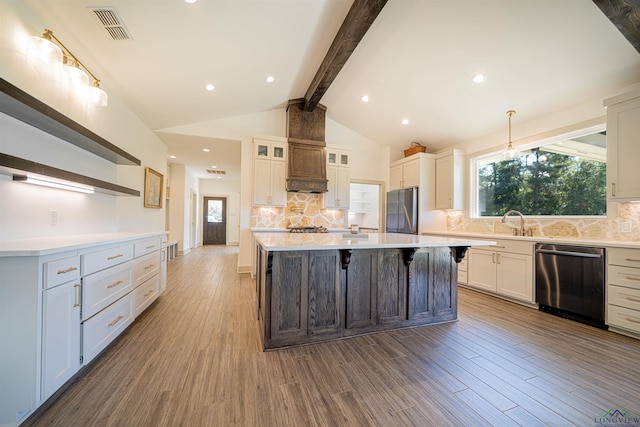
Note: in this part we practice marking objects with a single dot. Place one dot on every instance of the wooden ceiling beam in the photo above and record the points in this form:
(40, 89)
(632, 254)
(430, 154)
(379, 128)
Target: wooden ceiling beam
(625, 15)
(355, 25)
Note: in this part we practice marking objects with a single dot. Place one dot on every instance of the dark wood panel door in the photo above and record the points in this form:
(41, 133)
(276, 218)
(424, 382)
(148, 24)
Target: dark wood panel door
(419, 295)
(362, 274)
(289, 294)
(325, 295)
(214, 224)
(444, 278)
(391, 290)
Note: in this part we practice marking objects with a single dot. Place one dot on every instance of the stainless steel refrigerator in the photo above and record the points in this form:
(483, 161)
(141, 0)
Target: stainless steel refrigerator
(402, 211)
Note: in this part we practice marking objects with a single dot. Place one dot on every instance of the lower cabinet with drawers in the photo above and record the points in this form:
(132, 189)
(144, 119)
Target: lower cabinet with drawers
(64, 307)
(623, 290)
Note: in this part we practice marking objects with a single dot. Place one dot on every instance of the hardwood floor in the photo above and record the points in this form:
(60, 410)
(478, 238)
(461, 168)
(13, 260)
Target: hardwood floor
(194, 359)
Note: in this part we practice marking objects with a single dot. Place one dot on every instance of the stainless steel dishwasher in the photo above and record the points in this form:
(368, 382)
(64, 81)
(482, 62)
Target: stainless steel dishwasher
(570, 282)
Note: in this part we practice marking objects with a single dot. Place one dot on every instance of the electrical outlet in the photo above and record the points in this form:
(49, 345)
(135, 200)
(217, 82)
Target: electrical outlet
(53, 218)
(625, 226)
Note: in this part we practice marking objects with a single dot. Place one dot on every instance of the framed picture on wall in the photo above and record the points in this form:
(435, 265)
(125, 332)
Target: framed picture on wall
(152, 189)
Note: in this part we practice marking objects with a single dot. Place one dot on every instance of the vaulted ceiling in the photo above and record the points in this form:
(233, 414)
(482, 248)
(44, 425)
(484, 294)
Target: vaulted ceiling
(416, 62)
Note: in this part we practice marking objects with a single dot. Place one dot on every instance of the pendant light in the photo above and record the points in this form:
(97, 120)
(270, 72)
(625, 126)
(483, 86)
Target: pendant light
(510, 153)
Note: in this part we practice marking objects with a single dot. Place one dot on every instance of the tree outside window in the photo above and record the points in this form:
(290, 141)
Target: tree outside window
(545, 181)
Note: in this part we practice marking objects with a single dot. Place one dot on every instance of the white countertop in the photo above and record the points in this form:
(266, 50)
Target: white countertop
(541, 239)
(320, 241)
(49, 245)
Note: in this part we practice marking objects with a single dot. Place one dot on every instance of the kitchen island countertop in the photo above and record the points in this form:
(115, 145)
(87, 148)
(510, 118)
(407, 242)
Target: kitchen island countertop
(325, 241)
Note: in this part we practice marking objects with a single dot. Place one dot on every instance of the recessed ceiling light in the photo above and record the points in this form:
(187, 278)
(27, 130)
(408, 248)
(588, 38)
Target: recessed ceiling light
(172, 157)
(405, 121)
(365, 98)
(206, 150)
(270, 79)
(214, 167)
(479, 78)
(209, 87)
(190, 1)
(219, 177)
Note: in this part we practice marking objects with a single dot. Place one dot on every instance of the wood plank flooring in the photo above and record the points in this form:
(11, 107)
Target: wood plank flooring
(194, 359)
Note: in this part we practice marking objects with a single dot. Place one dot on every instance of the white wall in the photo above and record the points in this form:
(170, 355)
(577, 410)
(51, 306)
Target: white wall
(230, 190)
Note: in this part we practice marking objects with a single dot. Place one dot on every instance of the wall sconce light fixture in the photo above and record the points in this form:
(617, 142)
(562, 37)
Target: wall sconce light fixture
(50, 50)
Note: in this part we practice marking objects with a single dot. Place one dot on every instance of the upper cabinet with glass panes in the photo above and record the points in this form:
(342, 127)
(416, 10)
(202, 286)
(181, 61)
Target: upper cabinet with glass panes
(270, 149)
(338, 157)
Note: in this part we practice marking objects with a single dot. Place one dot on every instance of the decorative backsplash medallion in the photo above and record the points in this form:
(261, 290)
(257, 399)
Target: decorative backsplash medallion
(303, 210)
(588, 228)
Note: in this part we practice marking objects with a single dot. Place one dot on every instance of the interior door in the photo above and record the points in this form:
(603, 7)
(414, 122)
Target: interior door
(214, 224)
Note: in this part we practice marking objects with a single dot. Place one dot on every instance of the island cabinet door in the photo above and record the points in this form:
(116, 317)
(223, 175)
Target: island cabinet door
(325, 295)
(419, 300)
(391, 291)
(444, 278)
(289, 294)
(361, 278)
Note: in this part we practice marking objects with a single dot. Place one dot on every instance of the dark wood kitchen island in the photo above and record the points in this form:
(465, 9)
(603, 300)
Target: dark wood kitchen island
(320, 287)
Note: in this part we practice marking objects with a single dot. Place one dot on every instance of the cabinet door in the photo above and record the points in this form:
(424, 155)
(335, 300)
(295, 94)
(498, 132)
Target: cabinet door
(395, 177)
(289, 294)
(444, 182)
(391, 290)
(330, 198)
(342, 187)
(443, 284)
(515, 276)
(411, 174)
(419, 276)
(362, 273)
(623, 150)
(261, 182)
(279, 151)
(482, 270)
(325, 295)
(60, 336)
(278, 184)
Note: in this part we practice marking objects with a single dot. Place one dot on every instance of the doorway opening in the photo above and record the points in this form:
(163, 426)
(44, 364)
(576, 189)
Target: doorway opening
(365, 205)
(214, 221)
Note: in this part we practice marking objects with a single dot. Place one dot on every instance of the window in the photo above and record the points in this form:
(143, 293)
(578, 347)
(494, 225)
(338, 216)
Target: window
(565, 177)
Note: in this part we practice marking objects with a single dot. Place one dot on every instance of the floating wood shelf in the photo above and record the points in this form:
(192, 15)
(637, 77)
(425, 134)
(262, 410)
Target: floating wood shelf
(18, 104)
(10, 165)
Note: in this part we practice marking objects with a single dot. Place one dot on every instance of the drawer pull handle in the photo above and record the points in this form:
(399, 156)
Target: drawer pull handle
(116, 321)
(149, 293)
(632, 278)
(632, 259)
(149, 266)
(76, 294)
(67, 270)
(498, 246)
(113, 285)
(114, 257)
(151, 247)
(633, 299)
(631, 319)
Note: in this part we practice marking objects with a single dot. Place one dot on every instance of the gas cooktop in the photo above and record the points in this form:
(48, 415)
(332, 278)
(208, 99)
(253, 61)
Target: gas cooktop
(308, 230)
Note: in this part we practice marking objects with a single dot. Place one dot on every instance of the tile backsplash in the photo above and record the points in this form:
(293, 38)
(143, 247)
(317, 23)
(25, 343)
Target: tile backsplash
(302, 210)
(588, 228)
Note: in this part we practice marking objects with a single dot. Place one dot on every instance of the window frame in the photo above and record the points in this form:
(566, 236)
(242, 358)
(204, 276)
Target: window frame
(474, 162)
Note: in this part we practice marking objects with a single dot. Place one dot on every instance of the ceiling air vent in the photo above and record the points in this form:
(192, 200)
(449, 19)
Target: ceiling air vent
(108, 18)
(216, 172)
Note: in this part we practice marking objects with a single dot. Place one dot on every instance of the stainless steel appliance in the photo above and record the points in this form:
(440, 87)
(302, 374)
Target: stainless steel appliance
(308, 230)
(570, 282)
(402, 211)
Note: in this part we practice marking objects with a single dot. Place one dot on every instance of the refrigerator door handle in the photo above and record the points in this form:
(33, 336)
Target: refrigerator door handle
(406, 216)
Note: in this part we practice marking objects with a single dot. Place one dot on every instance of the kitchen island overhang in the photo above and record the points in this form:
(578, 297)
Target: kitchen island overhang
(320, 287)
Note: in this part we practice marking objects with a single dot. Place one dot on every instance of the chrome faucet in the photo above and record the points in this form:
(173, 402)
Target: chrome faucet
(520, 231)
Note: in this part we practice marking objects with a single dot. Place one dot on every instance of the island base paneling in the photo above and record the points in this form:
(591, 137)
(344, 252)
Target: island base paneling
(311, 296)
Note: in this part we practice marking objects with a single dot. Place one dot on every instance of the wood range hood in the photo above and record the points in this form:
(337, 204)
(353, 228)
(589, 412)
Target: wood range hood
(307, 169)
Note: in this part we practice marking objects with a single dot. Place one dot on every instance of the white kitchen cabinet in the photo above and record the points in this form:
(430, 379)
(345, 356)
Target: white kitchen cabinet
(623, 290)
(270, 172)
(505, 269)
(405, 173)
(338, 178)
(60, 336)
(623, 149)
(450, 180)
